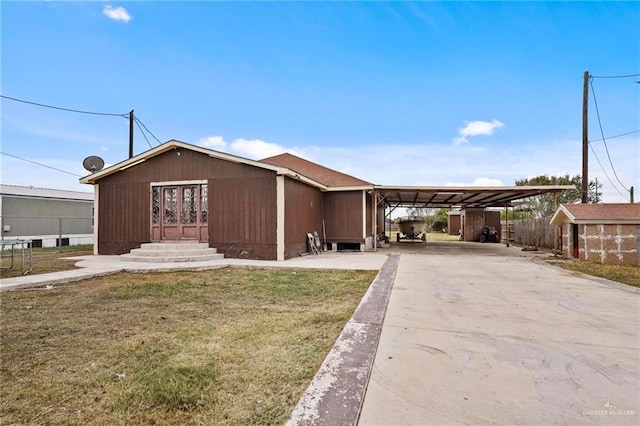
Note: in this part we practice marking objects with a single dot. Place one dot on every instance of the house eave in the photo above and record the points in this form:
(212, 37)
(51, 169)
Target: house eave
(350, 188)
(174, 144)
(297, 176)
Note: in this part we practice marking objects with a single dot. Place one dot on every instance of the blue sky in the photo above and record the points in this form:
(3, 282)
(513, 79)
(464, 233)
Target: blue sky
(398, 93)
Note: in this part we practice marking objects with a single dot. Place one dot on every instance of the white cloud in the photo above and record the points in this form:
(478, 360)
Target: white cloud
(476, 128)
(213, 142)
(249, 148)
(479, 182)
(116, 13)
(256, 148)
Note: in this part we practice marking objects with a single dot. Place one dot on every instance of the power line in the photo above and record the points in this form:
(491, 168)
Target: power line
(615, 76)
(40, 164)
(603, 138)
(615, 136)
(64, 109)
(145, 127)
(126, 115)
(142, 131)
(605, 173)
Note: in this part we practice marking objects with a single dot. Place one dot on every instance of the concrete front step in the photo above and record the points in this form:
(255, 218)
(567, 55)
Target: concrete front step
(165, 253)
(172, 252)
(173, 246)
(201, 258)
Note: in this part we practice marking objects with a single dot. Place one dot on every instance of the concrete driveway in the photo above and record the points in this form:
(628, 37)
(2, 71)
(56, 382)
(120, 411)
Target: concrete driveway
(481, 334)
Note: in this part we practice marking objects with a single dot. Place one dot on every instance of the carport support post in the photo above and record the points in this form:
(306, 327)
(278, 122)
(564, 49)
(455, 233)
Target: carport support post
(374, 225)
(506, 217)
(555, 228)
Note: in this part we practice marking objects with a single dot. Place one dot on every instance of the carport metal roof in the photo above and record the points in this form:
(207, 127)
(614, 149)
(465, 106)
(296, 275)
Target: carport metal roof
(457, 196)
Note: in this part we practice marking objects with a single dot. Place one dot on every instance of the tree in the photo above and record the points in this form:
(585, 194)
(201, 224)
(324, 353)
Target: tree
(417, 211)
(436, 219)
(543, 206)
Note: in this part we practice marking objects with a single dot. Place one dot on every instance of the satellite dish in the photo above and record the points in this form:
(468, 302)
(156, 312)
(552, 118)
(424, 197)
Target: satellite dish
(93, 163)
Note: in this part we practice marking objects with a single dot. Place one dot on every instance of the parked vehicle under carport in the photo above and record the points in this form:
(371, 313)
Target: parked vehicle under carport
(489, 234)
(411, 229)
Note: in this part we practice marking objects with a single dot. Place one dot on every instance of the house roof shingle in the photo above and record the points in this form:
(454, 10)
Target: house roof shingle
(597, 213)
(324, 175)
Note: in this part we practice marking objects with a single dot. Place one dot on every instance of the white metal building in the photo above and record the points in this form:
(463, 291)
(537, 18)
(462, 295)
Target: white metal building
(49, 217)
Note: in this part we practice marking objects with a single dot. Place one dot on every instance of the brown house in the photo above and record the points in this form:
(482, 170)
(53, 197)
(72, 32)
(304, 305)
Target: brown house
(347, 201)
(603, 233)
(244, 208)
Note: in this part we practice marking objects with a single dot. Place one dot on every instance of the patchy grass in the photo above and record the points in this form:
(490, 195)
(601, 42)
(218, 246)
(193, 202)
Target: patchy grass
(230, 346)
(441, 236)
(626, 274)
(45, 260)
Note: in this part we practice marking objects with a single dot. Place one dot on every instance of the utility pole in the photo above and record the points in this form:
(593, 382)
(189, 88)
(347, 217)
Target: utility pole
(131, 134)
(631, 194)
(585, 138)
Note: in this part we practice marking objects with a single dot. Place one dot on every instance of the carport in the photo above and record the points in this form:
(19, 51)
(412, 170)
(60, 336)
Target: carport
(387, 199)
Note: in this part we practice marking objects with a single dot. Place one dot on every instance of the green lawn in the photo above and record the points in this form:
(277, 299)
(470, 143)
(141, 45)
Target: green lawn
(229, 346)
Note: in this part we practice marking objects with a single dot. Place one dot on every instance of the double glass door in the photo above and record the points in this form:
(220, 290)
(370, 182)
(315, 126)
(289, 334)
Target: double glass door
(179, 212)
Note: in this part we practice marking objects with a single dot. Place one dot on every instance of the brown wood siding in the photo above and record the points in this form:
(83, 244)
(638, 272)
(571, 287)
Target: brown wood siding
(303, 213)
(242, 217)
(121, 226)
(242, 203)
(343, 216)
(454, 226)
(492, 218)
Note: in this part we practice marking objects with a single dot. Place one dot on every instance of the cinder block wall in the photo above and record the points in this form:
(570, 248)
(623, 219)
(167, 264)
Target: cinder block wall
(566, 241)
(613, 244)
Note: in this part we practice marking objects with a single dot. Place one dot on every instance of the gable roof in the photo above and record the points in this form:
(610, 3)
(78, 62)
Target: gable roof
(174, 144)
(324, 175)
(611, 213)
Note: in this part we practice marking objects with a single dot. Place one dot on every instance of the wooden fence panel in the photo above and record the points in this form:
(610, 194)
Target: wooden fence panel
(531, 232)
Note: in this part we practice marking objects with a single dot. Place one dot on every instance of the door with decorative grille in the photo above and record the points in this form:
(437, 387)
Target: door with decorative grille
(179, 212)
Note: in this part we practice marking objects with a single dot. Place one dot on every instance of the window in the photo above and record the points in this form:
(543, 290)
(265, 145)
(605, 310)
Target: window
(170, 201)
(189, 211)
(155, 205)
(204, 209)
